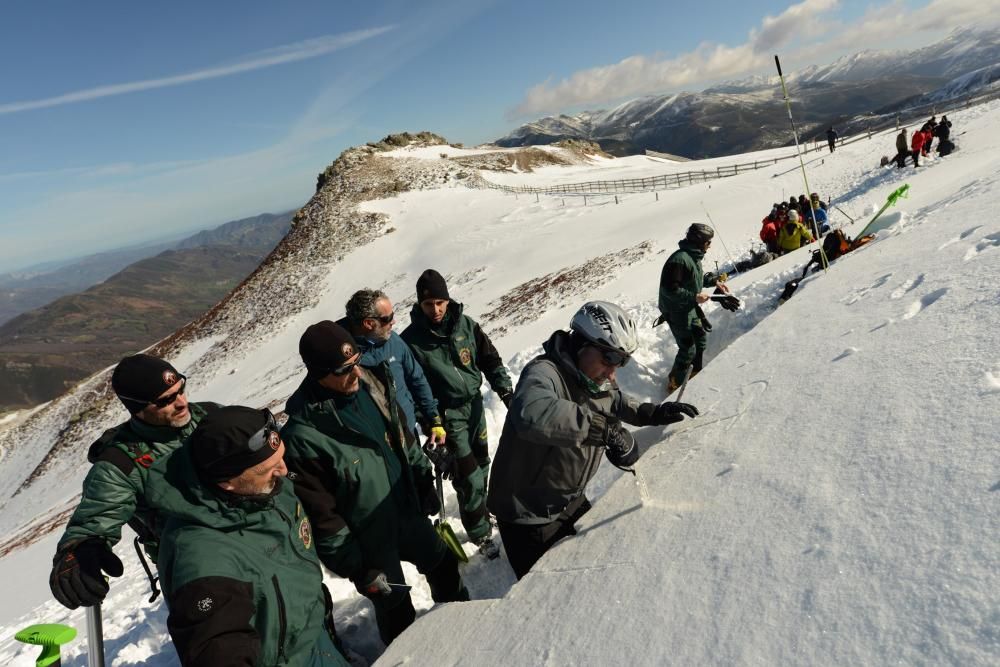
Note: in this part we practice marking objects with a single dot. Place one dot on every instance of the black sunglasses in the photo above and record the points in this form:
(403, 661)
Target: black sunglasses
(614, 357)
(384, 319)
(346, 368)
(162, 401)
(267, 435)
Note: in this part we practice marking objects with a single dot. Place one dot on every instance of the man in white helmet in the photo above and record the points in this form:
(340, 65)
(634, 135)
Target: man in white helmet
(565, 414)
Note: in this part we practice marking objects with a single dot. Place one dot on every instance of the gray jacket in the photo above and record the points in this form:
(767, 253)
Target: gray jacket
(552, 440)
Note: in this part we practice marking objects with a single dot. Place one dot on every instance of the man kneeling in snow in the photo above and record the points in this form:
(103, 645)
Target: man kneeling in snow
(566, 412)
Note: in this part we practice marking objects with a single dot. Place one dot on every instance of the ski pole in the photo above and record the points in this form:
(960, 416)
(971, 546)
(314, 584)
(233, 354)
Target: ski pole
(95, 637)
(802, 165)
(710, 222)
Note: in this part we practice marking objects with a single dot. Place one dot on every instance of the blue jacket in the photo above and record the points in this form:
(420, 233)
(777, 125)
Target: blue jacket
(406, 373)
(821, 220)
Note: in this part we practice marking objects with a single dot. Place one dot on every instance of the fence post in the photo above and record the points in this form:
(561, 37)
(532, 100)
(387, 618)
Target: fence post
(536, 197)
(657, 196)
(616, 200)
(584, 200)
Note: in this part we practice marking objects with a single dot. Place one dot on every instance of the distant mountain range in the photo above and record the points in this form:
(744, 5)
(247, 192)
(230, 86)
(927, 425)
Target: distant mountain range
(746, 115)
(45, 350)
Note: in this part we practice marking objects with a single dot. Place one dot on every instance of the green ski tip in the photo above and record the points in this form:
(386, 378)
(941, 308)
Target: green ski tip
(46, 634)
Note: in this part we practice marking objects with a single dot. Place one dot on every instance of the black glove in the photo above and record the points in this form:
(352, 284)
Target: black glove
(373, 585)
(651, 414)
(622, 449)
(730, 303)
(507, 398)
(427, 494)
(76, 579)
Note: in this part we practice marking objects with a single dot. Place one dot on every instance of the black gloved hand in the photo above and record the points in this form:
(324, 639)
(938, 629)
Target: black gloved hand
(76, 579)
(373, 584)
(651, 414)
(727, 301)
(427, 494)
(622, 449)
(507, 398)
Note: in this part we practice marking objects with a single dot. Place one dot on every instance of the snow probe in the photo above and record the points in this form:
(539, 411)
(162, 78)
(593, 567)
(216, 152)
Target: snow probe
(442, 461)
(902, 192)
(802, 165)
(50, 636)
(95, 637)
(712, 225)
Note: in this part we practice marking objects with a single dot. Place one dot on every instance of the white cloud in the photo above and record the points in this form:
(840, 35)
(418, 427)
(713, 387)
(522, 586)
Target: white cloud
(813, 20)
(304, 50)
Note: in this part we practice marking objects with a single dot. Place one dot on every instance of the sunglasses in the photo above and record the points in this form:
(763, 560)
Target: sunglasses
(384, 319)
(346, 368)
(614, 357)
(162, 401)
(268, 435)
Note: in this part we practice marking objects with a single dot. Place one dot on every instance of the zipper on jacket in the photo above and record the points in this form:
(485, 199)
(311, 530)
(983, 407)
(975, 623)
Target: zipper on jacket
(282, 619)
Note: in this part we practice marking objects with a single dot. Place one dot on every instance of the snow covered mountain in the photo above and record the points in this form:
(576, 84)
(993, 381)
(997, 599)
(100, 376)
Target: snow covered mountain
(748, 114)
(833, 504)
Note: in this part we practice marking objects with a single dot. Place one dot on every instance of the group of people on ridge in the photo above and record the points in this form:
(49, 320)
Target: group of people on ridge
(789, 225)
(241, 514)
(921, 141)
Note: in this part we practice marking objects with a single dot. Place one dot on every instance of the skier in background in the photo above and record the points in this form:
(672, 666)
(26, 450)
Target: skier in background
(831, 138)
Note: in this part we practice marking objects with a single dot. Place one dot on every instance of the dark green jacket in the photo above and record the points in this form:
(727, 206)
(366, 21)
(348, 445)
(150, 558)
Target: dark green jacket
(342, 478)
(455, 357)
(114, 491)
(681, 280)
(552, 441)
(241, 576)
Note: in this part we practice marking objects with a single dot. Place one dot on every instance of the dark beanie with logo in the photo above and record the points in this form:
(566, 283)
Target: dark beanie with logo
(325, 347)
(431, 285)
(141, 379)
(220, 446)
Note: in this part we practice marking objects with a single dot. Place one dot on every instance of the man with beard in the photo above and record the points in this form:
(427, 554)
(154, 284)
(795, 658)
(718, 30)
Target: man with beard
(365, 484)
(114, 491)
(242, 579)
(369, 319)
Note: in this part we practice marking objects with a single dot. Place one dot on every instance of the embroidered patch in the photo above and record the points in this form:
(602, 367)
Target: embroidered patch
(169, 378)
(205, 605)
(347, 350)
(273, 440)
(465, 355)
(305, 532)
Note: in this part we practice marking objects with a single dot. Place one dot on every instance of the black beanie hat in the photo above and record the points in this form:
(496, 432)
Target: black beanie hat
(431, 285)
(324, 347)
(140, 379)
(221, 446)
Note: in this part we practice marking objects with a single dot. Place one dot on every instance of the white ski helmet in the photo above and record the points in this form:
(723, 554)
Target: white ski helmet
(606, 325)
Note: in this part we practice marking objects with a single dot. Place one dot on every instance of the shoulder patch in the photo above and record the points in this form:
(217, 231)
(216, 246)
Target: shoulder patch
(118, 458)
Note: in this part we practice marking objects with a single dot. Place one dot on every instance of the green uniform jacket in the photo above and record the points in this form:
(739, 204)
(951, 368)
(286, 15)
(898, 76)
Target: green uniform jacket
(680, 282)
(455, 357)
(241, 576)
(114, 491)
(342, 478)
(552, 440)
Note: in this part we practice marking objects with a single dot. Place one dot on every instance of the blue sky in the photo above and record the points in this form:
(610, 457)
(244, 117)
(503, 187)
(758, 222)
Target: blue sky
(122, 122)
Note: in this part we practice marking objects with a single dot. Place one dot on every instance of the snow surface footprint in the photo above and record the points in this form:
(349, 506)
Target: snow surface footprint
(863, 292)
(924, 301)
(961, 237)
(907, 286)
(985, 243)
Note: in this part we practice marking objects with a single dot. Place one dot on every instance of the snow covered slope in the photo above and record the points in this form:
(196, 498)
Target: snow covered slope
(835, 503)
